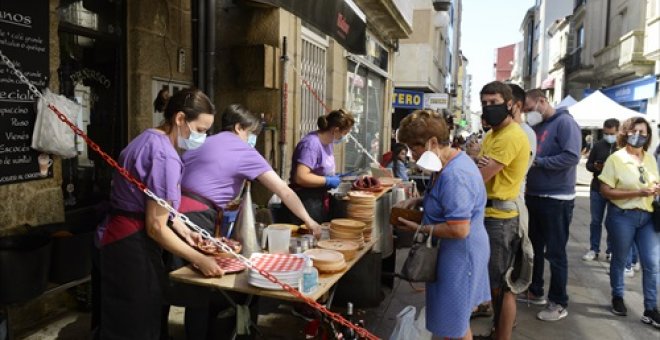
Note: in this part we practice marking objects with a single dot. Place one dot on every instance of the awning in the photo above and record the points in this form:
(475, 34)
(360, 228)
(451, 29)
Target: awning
(340, 19)
(548, 83)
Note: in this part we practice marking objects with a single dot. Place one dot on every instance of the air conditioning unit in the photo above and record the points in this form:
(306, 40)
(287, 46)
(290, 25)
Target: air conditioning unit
(441, 5)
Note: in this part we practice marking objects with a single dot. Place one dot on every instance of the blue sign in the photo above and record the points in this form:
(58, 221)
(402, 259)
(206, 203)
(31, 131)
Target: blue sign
(406, 99)
(634, 90)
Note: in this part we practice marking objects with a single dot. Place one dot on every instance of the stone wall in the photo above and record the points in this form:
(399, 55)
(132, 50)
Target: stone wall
(28, 204)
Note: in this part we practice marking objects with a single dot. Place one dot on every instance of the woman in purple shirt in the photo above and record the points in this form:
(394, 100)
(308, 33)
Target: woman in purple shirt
(313, 163)
(132, 237)
(213, 177)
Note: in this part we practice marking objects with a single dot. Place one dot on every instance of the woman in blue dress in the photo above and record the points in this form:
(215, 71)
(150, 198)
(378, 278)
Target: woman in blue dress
(454, 214)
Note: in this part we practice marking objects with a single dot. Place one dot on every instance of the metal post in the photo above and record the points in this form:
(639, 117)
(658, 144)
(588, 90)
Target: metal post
(284, 60)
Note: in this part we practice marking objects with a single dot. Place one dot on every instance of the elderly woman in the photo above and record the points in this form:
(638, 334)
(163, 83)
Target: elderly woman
(629, 181)
(454, 214)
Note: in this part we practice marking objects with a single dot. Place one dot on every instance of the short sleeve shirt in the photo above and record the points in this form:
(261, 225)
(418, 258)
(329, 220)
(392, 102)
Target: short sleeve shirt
(152, 159)
(313, 154)
(622, 171)
(217, 169)
(510, 147)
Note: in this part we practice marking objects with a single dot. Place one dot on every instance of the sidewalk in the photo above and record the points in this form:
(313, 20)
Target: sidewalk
(588, 287)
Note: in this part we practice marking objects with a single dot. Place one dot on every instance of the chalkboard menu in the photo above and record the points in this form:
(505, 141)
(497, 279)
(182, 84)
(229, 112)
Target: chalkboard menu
(24, 27)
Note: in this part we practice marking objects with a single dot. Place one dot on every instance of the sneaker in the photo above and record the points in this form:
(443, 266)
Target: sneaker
(590, 256)
(628, 272)
(618, 307)
(651, 317)
(531, 299)
(553, 312)
(637, 267)
(608, 257)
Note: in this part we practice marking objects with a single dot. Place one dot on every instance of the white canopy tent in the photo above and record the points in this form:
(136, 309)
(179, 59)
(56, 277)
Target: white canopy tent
(568, 101)
(593, 110)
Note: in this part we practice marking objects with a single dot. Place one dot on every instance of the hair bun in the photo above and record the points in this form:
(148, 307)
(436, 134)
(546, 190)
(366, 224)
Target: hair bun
(322, 123)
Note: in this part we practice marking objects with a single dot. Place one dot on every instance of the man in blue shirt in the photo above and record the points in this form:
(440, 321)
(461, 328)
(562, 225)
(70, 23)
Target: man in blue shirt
(550, 199)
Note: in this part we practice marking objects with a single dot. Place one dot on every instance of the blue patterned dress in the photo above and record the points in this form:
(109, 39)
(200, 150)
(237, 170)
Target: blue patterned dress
(458, 194)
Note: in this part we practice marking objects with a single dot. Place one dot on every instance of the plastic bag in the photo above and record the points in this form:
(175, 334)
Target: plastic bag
(50, 134)
(408, 328)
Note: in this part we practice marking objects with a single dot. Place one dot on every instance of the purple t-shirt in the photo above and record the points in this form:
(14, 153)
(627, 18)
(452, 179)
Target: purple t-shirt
(316, 156)
(152, 159)
(217, 169)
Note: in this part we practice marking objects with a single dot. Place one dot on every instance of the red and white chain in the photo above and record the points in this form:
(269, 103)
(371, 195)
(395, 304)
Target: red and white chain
(161, 202)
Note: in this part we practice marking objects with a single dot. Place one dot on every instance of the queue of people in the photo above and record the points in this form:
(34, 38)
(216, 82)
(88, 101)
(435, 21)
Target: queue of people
(488, 208)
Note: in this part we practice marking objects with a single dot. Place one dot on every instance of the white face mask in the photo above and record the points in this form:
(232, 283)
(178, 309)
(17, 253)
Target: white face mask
(533, 118)
(193, 142)
(429, 161)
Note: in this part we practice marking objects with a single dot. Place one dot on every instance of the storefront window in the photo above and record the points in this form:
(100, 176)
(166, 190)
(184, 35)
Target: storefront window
(91, 73)
(366, 91)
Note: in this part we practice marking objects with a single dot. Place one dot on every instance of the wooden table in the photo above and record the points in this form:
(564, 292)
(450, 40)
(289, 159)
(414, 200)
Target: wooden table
(239, 282)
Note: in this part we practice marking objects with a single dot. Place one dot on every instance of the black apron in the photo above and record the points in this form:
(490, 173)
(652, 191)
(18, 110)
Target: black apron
(132, 279)
(316, 202)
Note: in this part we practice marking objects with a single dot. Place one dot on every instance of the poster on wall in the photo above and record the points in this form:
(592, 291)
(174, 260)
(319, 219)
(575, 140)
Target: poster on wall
(24, 39)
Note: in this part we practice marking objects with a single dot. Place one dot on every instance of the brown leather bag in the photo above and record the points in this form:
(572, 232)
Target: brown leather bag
(409, 214)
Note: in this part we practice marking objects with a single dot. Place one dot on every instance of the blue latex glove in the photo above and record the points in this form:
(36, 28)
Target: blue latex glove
(332, 181)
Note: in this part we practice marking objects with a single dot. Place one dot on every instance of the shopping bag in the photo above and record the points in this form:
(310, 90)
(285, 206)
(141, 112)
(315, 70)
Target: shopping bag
(405, 328)
(50, 134)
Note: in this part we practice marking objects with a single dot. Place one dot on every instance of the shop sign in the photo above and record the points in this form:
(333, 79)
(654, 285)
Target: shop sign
(24, 39)
(340, 19)
(406, 99)
(634, 90)
(436, 101)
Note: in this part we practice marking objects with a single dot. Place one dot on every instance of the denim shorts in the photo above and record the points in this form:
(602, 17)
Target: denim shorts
(504, 243)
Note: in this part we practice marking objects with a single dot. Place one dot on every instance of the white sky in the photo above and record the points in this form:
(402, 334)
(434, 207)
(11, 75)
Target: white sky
(487, 25)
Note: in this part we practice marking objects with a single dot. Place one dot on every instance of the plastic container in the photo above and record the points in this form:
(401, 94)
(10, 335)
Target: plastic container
(309, 281)
(277, 237)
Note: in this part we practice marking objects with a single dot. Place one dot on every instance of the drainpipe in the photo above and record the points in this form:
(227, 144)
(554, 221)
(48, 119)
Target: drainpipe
(607, 23)
(209, 89)
(200, 41)
(284, 60)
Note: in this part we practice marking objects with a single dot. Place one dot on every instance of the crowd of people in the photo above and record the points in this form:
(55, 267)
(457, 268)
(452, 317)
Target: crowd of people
(499, 202)
(501, 215)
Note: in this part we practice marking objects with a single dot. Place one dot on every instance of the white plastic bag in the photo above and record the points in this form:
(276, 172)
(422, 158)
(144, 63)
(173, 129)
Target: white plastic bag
(408, 328)
(50, 134)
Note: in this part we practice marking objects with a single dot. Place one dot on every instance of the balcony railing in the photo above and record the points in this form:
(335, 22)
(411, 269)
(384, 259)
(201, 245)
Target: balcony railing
(628, 50)
(574, 60)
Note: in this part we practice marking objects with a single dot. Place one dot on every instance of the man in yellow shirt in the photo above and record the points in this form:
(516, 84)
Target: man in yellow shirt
(503, 165)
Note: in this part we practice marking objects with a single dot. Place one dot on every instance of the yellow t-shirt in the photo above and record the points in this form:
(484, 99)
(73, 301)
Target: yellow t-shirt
(621, 171)
(510, 147)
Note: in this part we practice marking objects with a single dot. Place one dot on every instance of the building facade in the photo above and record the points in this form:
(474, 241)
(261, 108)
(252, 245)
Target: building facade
(503, 65)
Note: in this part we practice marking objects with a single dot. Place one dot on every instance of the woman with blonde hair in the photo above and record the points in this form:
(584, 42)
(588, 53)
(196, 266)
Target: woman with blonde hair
(630, 182)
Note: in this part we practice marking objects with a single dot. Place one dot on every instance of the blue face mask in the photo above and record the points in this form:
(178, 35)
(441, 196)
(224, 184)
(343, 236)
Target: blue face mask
(252, 140)
(341, 140)
(193, 142)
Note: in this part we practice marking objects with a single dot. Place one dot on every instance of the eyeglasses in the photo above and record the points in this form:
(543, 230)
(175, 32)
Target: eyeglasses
(641, 174)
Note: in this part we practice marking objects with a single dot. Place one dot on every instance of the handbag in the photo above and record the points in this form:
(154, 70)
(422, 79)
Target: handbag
(656, 216)
(420, 265)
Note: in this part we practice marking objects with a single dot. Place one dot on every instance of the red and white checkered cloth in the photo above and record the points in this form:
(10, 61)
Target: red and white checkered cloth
(278, 262)
(230, 265)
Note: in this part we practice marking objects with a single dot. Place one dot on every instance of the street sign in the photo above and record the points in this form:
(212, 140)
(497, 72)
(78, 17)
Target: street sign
(436, 101)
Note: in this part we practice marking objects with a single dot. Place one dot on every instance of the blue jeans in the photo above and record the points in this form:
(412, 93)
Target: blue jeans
(549, 220)
(597, 208)
(633, 256)
(627, 227)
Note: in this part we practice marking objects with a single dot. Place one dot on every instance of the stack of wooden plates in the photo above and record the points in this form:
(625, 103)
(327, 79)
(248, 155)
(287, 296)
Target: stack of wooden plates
(361, 207)
(327, 261)
(348, 248)
(347, 229)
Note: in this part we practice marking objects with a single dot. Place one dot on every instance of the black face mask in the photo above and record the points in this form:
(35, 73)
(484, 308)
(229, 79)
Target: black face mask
(494, 115)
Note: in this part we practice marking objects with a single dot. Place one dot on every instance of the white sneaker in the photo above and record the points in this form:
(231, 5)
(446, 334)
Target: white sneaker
(628, 272)
(637, 267)
(590, 256)
(553, 312)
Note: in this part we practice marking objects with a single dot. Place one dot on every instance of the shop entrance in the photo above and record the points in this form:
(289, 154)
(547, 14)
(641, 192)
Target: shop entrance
(92, 72)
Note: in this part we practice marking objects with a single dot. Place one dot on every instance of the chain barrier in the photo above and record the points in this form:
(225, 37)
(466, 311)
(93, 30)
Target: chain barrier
(161, 202)
(327, 110)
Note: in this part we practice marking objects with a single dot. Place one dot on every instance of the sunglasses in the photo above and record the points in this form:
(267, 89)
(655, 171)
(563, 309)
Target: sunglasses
(641, 174)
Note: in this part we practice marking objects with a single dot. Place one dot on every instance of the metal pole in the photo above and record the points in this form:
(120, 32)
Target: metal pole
(284, 60)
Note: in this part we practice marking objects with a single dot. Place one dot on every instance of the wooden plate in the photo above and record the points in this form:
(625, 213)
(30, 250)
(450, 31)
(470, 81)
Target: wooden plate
(325, 256)
(346, 223)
